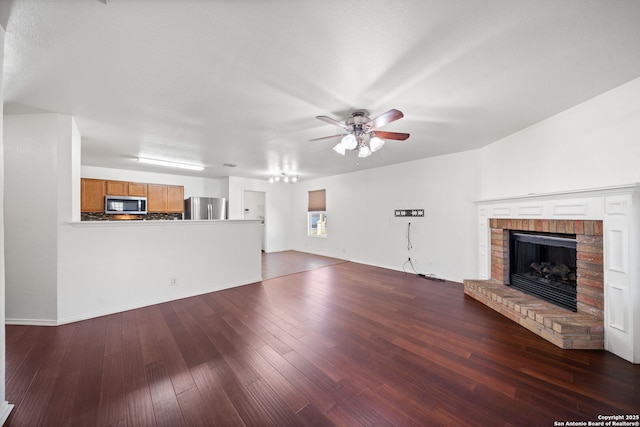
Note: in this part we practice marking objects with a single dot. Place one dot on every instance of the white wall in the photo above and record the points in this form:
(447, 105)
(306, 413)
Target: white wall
(594, 144)
(193, 186)
(5, 407)
(278, 209)
(75, 173)
(57, 272)
(108, 267)
(362, 227)
(38, 197)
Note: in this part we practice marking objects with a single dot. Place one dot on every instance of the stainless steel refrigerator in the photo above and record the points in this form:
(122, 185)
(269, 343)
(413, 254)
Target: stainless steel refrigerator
(205, 208)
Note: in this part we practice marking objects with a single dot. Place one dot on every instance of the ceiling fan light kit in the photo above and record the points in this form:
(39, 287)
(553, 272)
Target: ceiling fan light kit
(375, 143)
(364, 151)
(339, 148)
(362, 133)
(349, 142)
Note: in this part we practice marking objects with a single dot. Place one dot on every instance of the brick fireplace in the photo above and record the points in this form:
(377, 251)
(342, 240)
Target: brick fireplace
(605, 280)
(583, 329)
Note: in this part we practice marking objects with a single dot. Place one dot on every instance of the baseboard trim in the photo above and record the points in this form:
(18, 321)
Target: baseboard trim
(30, 322)
(5, 410)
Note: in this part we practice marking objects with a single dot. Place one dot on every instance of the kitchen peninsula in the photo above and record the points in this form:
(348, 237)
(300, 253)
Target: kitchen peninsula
(60, 269)
(113, 266)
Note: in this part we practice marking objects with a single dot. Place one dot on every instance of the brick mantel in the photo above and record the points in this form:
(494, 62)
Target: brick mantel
(606, 222)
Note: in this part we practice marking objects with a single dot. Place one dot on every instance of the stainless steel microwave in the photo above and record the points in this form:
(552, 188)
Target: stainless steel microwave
(125, 205)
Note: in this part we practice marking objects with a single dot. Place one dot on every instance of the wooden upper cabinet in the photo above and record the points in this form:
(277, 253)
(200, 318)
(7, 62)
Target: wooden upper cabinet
(165, 198)
(175, 198)
(137, 189)
(156, 198)
(117, 188)
(160, 198)
(123, 188)
(92, 192)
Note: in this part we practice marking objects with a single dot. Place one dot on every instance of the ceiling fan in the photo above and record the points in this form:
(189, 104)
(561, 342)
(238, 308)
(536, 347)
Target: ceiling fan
(362, 133)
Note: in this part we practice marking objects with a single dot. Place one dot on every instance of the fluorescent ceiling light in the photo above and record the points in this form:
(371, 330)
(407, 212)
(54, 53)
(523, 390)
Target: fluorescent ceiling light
(170, 164)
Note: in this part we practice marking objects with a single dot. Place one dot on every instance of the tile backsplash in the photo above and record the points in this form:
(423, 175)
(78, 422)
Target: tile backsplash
(101, 216)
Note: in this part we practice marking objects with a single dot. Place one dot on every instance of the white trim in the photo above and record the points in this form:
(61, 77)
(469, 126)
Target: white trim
(581, 192)
(123, 308)
(5, 410)
(109, 311)
(30, 322)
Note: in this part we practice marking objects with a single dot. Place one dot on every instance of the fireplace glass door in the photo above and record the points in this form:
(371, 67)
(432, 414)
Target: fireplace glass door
(544, 265)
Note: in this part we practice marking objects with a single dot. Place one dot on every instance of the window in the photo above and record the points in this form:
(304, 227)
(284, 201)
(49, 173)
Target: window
(317, 215)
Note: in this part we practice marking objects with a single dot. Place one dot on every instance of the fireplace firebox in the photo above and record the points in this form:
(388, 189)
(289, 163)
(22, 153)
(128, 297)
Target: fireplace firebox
(544, 265)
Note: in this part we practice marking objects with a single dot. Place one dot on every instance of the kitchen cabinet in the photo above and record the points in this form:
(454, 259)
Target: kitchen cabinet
(161, 198)
(117, 188)
(165, 198)
(123, 188)
(92, 192)
(175, 198)
(156, 198)
(137, 189)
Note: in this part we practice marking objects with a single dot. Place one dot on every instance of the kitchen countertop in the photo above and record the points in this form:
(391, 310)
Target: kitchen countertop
(143, 222)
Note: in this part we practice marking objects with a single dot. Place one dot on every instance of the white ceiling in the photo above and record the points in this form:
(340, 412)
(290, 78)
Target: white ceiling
(241, 81)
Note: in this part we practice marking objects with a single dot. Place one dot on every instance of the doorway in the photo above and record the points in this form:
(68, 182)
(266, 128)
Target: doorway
(254, 207)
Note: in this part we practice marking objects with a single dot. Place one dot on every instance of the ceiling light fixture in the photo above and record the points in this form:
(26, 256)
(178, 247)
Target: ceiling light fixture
(361, 132)
(339, 148)
(349, 142)
(364, 143)
(375, 143)
(284, 177)
(170, 164)
(364, 151)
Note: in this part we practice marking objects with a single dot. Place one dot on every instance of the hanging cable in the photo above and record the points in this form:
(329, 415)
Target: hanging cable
(409, 244)
(408, 261)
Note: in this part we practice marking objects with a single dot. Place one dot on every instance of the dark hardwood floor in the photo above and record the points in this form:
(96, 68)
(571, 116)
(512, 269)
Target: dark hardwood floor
(278, 264)
(344, 344)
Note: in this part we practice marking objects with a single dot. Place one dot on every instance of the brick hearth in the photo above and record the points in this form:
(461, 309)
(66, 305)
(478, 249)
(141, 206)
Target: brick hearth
(583, 329)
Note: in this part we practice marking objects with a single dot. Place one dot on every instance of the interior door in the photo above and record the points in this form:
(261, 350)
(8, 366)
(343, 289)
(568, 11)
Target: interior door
(254, 207)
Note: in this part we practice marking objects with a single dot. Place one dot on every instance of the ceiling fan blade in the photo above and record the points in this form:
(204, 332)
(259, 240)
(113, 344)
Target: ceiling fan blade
(383, 119)
(326, 137)
(333, 122)
(391, 135)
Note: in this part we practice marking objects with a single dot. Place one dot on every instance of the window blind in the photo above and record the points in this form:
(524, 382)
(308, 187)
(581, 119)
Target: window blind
(317, 201)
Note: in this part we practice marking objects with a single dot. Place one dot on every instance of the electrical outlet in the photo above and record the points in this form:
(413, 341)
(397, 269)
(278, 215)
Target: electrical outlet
(174, 281)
